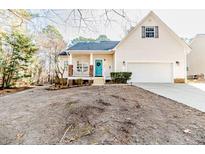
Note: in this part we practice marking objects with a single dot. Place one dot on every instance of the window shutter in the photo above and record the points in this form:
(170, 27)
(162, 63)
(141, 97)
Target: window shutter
(143, 31)
(156, 32)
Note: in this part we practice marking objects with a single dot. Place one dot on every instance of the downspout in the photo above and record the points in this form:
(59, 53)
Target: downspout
(185, 73)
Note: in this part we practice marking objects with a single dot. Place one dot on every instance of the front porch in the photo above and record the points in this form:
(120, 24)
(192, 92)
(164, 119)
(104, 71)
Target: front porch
(87, 66)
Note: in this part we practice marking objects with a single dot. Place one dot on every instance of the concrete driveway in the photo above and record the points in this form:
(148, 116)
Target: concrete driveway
(189, 94)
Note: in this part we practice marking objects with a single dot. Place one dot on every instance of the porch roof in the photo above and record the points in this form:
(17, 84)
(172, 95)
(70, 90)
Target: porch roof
(102, 45)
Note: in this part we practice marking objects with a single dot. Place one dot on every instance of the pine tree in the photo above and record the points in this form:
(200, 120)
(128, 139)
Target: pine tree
(16, 57)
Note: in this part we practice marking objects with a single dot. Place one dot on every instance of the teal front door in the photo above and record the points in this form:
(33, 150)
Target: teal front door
(98, 68)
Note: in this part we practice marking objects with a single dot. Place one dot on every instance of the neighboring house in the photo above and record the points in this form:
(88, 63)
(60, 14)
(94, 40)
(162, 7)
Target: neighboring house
(151, 51)
(196, 58)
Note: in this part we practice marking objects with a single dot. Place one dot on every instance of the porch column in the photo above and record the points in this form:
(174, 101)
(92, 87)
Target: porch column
(70, 66)
(91, 65)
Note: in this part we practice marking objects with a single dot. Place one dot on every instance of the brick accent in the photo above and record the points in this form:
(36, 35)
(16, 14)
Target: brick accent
(91, 70)
(70, 70)
(179, 80)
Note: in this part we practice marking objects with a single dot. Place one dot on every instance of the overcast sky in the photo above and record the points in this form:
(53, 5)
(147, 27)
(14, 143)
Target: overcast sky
(186, 23)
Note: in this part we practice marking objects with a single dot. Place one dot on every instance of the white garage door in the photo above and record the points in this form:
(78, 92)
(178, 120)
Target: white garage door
(151, 72)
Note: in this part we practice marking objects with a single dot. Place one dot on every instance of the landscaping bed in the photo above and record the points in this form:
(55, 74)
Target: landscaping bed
(12, 90)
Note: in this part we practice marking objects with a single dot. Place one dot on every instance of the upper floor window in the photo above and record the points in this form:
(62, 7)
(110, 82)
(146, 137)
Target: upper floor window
(150, 32)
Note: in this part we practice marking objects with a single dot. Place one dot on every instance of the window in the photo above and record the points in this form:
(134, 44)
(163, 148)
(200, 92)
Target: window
(85, 67)
(79, 67)
(150, 32)
(82, 67)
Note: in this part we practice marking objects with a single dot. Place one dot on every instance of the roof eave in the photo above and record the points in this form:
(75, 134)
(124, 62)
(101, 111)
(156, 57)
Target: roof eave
(91, 51)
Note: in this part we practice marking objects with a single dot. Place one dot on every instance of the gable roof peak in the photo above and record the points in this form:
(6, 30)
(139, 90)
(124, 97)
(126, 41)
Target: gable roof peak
(151, 12)
(182, 42)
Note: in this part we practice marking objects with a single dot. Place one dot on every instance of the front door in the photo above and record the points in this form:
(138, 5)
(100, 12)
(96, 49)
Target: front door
(98, 68)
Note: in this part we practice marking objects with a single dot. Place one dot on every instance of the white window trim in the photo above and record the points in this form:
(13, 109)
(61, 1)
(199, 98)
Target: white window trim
(83, 64)
(146, 31)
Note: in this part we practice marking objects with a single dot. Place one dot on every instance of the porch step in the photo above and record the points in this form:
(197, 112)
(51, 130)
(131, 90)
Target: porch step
(98, 81)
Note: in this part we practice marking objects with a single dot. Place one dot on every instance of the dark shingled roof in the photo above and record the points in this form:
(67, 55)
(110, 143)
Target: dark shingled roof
(63, 53)
(102, 45)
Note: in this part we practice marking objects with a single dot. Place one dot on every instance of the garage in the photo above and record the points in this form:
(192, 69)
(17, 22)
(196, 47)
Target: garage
(151, 72)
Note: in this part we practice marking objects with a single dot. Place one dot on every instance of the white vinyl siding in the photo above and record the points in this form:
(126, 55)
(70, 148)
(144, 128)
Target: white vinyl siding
(166, 48)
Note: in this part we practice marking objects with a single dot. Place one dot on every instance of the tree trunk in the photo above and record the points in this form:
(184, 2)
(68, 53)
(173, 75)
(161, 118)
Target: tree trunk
(3, 81)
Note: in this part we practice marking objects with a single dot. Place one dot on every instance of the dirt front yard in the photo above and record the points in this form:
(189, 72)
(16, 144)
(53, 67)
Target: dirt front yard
(97, 115)
(4, 92)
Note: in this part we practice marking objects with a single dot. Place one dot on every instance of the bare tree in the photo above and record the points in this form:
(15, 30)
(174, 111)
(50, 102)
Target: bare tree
(83, 20)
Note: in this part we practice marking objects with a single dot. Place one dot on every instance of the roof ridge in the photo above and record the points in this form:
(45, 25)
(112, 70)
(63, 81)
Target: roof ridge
(95, 41)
